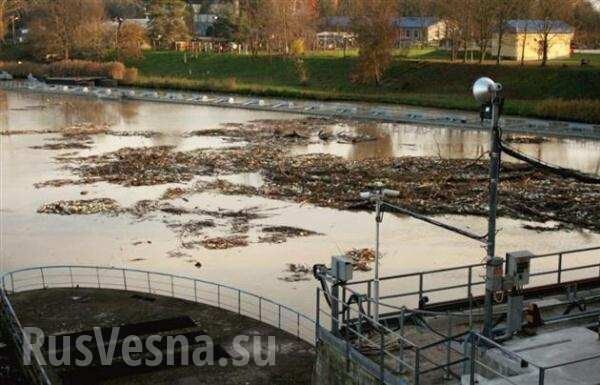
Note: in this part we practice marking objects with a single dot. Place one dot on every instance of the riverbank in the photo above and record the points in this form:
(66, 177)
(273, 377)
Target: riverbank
(558, 92)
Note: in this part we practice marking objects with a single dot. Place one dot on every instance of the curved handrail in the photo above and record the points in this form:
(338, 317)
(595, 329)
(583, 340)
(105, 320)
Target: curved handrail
(39, 374)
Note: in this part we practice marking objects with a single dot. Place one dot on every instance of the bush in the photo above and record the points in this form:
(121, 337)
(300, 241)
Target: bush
(115, 70)
(583, 110)
(66, 68)
(130, 76)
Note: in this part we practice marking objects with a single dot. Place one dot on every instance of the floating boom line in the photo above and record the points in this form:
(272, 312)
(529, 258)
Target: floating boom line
(561, 171)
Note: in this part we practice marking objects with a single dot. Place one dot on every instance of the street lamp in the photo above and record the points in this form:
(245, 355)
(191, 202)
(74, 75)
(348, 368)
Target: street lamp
(376, 195)
(488, 93)
(14, 19)
(119, 20)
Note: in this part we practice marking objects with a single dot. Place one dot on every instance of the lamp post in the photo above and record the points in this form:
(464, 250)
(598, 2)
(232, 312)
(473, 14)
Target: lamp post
(119, 20)
(13, 20)
(376, 195)
(487, 92)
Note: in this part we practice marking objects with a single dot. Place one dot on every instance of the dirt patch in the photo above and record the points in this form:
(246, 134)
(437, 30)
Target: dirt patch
(82, 207)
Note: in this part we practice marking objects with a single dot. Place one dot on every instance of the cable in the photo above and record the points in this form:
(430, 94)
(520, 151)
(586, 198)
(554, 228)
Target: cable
(561, 171)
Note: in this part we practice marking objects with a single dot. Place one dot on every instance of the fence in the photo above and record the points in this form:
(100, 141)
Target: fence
(181, 287)
(394, 359)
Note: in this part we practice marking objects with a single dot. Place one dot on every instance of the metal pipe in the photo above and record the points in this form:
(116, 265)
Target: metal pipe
(495, 152)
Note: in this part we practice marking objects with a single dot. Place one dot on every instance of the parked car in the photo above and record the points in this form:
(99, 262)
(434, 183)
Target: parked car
(5, 76)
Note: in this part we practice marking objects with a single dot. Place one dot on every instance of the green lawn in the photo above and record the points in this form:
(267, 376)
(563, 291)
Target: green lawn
(408, 81)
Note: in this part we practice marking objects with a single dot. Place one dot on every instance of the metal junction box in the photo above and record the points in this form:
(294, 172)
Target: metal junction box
(518, 266)
(341, 268)
(494, 274)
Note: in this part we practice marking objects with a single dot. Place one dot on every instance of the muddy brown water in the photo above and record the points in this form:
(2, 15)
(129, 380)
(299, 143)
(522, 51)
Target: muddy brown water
(32, 239)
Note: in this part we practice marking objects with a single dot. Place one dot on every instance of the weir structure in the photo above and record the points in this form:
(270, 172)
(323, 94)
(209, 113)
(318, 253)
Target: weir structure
(430, 332)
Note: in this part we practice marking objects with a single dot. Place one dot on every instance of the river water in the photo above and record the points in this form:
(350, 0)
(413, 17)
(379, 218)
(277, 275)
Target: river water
(31, 239)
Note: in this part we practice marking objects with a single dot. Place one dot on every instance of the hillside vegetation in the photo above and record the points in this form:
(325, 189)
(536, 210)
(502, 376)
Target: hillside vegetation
(559, 91)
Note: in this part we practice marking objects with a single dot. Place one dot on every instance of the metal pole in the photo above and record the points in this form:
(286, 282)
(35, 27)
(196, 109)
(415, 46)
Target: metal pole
(376, 280)
(495, 152)
(335, 309)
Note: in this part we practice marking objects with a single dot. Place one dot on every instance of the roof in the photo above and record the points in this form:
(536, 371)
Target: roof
(415, 22)
(554, 26)
(337, 21)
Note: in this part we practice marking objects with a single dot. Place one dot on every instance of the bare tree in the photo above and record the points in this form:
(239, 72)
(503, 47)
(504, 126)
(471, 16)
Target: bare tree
(451, 11)
(551, 15)
(485, 22)
(504, 11)
(373, 23)
(168, 22)
(131, 39)
(278, 23)
(67, 28)
(9, 13)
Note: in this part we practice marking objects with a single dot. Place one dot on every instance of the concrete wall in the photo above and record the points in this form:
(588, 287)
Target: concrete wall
(331, 368)
(559, 45)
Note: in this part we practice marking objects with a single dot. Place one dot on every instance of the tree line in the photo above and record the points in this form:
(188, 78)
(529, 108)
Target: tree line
(98, 29)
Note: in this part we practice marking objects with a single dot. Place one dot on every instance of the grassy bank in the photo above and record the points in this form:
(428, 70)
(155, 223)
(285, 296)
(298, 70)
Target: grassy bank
(567, 92)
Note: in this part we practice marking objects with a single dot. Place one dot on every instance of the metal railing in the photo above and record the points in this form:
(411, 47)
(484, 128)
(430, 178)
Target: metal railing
(472, 274)
(394, 359)
(192, 289)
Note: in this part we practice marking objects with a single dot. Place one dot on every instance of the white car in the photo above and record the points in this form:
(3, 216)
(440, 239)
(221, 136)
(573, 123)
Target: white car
(5, 76)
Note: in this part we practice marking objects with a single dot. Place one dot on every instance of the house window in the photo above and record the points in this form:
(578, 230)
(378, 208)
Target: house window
(407, 33)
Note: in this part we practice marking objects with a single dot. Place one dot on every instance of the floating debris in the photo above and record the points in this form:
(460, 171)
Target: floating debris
(525, 139)
(361, 258)
(63, 146)
(222, 243)
(82, 207)
(546, 228)
(289, 231)
(58, 183)
(280, 234)
(177, 254)
(299, 272)
(427, 185)
(191, 228)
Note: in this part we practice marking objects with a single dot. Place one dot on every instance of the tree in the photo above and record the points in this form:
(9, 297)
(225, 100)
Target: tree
(67, 29)
(551, 13)
(168, 22)
(9, 13)
(127, 9)
(373, 23)
(485, 22)
(504, 11)
(586, 20)
(132, 37)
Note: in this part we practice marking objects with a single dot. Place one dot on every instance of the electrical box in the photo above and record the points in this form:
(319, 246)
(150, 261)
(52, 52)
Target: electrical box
(494, 274)
(518, 265)
(341, 268)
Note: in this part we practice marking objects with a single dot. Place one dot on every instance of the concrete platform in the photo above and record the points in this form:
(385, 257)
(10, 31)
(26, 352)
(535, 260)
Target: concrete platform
(548, 349)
